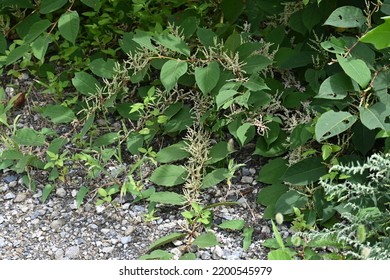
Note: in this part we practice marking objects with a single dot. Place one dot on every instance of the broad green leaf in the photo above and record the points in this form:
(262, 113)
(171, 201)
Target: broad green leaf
(29, 137)
(85, 83)
(171, 198)
(379, 36)
(385, 7)
(207, 78)
(157, 255)
(103, 68)
(94, 4)
(272, 171)
(334, 45)
(218, 152)
(363, 139)
(172, 153)
(256, 63)
(333, 123)
(179, 121)
(3, 43)
(287, 201)
(247, 238)
(279, 254)
(188, 257)
(173, 43)
(305, 172)
(165, 240)
(256, 83)
(214, 177)
(36, 30)
(46, 192)
(232, 224)
(143, 39)
(269, 195)
(375, 116)
(58, 113)
(106, 139)
(346, 17)
(357, 69)
(206, 240)
(57, 144)
(206, 37)
(224, 96)
(16, 54)
(48, 6)
(133, 142)
(245, 133)
(336, 87)
(278, 237)
(171, 71)
(232, 9)
(277, 148)
(68, 25)
(80, 195)
(40, 45)
(169, 175)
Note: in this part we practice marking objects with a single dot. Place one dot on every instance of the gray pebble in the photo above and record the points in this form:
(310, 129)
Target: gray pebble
(72, 252)
(57, 224)
(129, 230)
(38, 194)
(126, 239)
(1, 219)
(252, 171)
(246, 180)
(108, 250)
(265, 229)
(245, 171)
(105, 230)
(217, 252)
(20, 197)
(10, 178)
(12, 184)
(100, 208)
(74, 193)
(2, 242)
(205, 255)
(9, 196)
(59, 254)
(61, 192)
(5, 188)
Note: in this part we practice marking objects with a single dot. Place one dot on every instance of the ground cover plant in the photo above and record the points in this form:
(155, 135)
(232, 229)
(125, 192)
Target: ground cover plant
(302, 84)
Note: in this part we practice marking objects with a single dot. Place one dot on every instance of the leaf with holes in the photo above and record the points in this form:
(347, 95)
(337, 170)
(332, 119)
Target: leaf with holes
(336, 87)
(375, 116)
(305, 172)
(346, 17)
(171, 71)
(357, 69)
(333, 123)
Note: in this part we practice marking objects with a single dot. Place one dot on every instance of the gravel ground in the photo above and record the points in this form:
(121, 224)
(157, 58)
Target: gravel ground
(56, 229)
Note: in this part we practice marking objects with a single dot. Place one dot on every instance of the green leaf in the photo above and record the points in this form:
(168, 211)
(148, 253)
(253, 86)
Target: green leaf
(40, 45)
(336, 87)
(143, 39)
(256, 63)
(278, 238)
(279, 254)
(305, 172)
(103, 68)
(232, 9)
(207, 78)
(157, 255)
(269, 195)
(80, 195)
(85, 83)
(68, 25)
(169, 175)
(357, 69)
(363, 139)
(165, 240)
(171, 198)
(36, 30)
(218, 152)
(94, 4)
(58, 113)
(133, 142)
(225, 96)
(49, 6)
(214, 177)
(173, 43)
(46, 192)
(287, 201)
(57, 144)
(379, 36)
(106, 139)
(375, 116)
(29, 137)
(172, 153)
(333, 123)
(206, 37)
(188, 257)
(171, 71)
(247, 238)
(3, 43)
(272, 171)
(16, 54)
(385, 7)
(206, 240)
(245, 133)
(232, 224)
(346, 17)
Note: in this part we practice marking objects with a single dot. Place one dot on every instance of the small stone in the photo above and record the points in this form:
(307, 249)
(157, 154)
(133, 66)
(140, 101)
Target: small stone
(177, 242)
(126, 206)
(1, 219)
(57, 224)
(9, 196)
(105, 230)
(9, 179)
(101, 122)
(61, 192)
(126, 239)
(252, 171)
(108, 250)
(265, 229)
(2, 242)
(38, 194)
(245, 171)
(205, 255)
(12, 184)
(59, 254)
(72, 252)
(100, 209)
(129, 230)
(5, 188)
(217, 252)
(176, 252)
(242, 201)
(246, 179)
(35, 221)
(20, 197)
(74, 193)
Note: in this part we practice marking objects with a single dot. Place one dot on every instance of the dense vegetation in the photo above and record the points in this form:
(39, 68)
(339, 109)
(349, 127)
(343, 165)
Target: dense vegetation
(301, 83)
